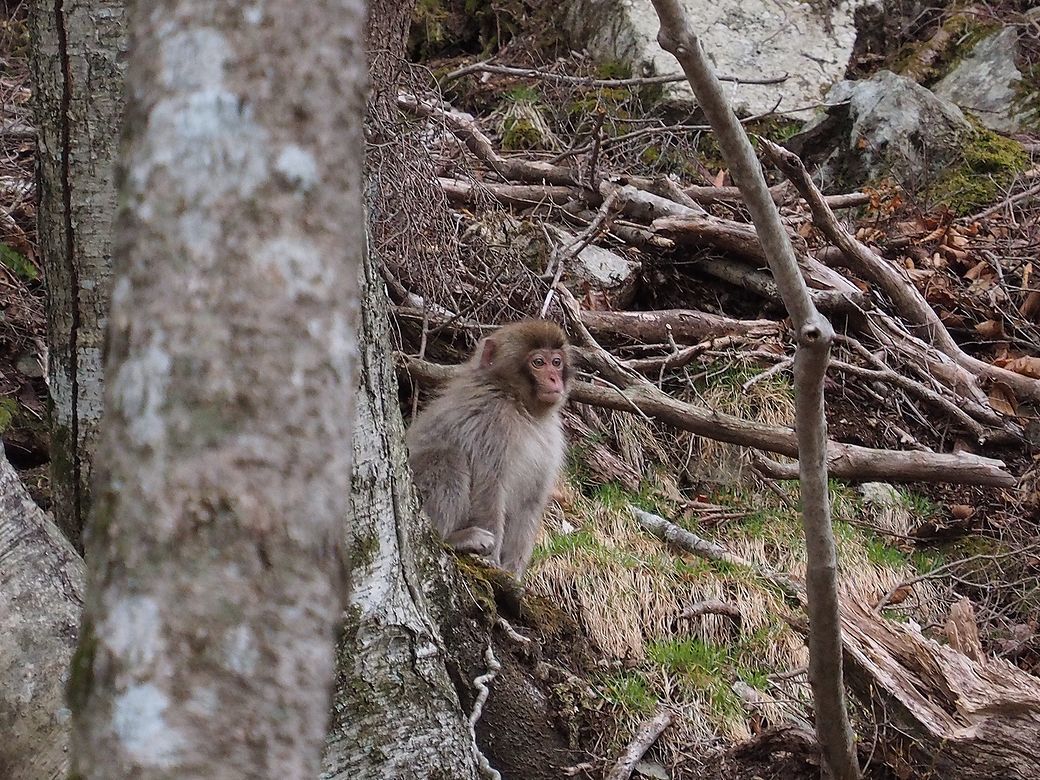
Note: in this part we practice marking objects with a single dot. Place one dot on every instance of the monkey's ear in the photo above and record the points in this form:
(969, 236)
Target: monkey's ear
(487, 354)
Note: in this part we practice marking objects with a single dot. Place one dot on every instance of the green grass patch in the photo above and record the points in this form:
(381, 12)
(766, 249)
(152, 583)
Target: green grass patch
(17, 264)
(631, 692)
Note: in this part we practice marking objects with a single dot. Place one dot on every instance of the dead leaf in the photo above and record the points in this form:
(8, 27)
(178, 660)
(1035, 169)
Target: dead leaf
(962, 511)
(720, 177)
(935, 235)
(919, 276)
(977, 270)
(1026, 365)
(1002, 399)
(991, 329)
(1030, 308)
(951, 319)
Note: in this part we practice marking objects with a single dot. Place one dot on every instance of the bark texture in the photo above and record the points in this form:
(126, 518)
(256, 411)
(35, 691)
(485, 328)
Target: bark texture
(78, 75)
(216, 573)
(41, 593)
(941, 712)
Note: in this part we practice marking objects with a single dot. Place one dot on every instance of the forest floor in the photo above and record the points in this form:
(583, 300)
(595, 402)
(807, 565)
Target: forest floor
(737, 680)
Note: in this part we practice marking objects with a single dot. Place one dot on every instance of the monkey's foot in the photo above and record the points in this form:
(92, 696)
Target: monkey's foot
(477, 541)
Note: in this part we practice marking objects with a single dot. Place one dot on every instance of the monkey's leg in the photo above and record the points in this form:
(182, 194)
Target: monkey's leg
(478, 541)
(521, 531)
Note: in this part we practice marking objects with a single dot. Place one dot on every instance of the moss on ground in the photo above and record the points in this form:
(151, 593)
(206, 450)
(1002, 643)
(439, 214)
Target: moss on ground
(989, 165)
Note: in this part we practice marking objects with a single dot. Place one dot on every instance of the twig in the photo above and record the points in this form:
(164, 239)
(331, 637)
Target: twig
(467, 131)
(583, 240)
(1026, 195)
(709, 607)
(597, 141)
(783, 365)
(682, 357)
(587, 81)
(647, 734)
(939, 571)
(911, 304)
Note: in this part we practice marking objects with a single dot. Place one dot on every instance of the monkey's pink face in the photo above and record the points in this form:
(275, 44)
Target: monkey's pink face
(548, 368)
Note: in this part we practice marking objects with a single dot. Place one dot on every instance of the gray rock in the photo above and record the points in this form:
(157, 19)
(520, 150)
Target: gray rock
(988, 84)
(810, 42)
(598, 269)
(884, 125)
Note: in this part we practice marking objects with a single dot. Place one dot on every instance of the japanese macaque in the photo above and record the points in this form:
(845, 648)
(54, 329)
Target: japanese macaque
(486, 452)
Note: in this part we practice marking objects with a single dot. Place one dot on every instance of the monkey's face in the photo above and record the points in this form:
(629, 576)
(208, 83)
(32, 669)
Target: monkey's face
(548, 371)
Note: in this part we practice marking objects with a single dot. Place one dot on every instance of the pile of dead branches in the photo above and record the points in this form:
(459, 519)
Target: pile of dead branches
(893, 343)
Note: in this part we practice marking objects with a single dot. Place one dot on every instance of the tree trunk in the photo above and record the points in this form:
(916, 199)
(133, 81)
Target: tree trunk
(215, 566)
(396, 712)
(78, 87)
(946, 711)
(41, 592)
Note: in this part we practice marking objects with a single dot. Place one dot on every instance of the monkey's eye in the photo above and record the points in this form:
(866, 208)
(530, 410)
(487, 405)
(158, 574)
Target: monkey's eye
(538, 362)
(557, 362)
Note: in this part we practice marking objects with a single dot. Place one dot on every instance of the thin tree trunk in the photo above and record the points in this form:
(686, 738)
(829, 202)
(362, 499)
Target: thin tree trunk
(215, 569)
(78, 70)
(41, 592)
(814, 339)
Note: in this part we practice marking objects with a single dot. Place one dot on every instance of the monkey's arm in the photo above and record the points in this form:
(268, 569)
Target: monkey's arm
(443, 479)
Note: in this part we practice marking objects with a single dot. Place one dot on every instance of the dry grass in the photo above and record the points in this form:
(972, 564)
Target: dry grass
(628, 590)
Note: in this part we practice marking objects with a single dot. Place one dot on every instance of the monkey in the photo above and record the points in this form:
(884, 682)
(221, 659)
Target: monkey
(487, 451)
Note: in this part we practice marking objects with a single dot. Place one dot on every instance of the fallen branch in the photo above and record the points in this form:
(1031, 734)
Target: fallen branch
(467, 131)
(682, 357)
(647, 734)
(684, 325)
(762, 284)
(520, 196)
(893, 282)
(589, 81)
(670, 533)
(710, 195)
(845, 461)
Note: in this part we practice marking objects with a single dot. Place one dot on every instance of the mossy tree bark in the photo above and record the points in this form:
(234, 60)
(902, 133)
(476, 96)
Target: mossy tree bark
(78, 74)
(215, 567)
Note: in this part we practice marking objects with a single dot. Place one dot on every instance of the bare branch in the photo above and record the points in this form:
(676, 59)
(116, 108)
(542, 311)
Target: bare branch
(909, 301)
(645, 737)
(846, 461)
(467, 131)
(814, 337)
(561, 78)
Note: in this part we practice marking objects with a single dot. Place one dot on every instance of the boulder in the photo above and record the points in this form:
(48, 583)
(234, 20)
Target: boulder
(989, 85)
(887, 125)
(809, 42)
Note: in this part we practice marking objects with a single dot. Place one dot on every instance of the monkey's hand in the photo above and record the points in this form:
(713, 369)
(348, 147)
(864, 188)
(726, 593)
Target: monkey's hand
(478, 541)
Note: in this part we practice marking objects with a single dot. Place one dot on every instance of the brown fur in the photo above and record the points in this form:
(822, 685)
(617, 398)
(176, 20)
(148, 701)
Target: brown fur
(488, 449)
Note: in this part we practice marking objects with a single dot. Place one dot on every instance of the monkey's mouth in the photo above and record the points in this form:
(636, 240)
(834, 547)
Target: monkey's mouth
(550, 396)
